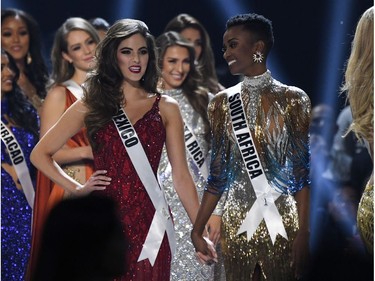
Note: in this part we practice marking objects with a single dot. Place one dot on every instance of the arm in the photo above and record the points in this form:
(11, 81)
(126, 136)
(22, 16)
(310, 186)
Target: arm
(69, 124)
(214, 222)
(182, 179)
(301, 164)
(208, 204)
(175, 145)
(217, 180)
(301, 242)
(52, 109)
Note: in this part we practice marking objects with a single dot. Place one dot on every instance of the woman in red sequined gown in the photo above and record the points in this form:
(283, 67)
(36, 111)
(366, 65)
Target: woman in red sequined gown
(126, 75)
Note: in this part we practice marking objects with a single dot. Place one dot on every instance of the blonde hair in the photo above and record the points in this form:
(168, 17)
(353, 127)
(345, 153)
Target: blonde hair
(359, 77)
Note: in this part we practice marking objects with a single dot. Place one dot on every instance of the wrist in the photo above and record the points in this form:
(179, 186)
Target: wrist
(197, 232)
(303, 232)
(78, 190)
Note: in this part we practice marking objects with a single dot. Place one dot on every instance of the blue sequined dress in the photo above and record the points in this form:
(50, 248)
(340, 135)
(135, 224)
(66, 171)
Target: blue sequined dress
(15, 211)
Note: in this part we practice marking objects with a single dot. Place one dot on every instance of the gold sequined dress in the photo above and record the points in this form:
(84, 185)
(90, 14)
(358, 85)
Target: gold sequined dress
(278, 117)
(365, 217)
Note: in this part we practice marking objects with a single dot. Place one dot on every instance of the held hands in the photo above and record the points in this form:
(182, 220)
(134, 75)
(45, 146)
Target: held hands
(205, 249)
(214, 227)
(97, 181)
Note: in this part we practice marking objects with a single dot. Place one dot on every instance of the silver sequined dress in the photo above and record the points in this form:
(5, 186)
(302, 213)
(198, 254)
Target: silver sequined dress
(185, 266)
(278, 116)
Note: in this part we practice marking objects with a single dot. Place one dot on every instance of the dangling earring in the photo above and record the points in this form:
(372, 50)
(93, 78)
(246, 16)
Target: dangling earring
(258, 57)
(29, 59)
(160, 86)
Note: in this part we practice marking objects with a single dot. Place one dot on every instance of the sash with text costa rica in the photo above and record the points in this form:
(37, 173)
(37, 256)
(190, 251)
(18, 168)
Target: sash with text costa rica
(161, 222)
(195, 151)
(264, 206)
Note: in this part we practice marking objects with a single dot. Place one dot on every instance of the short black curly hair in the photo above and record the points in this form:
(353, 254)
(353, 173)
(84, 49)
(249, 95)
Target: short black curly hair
(258, 25)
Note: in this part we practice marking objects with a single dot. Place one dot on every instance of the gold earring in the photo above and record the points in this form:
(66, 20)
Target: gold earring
(160, 86)
(29, 59)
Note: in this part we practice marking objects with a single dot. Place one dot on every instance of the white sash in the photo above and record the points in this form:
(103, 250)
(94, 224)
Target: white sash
(74, 88)
(264, 206)
(162, 221)
(19, 163)
(195, 151)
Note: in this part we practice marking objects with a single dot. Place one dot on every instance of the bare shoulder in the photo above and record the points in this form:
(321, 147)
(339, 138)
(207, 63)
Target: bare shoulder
(56, 91)
(167, 100)
(54, 104)
(169, 110)
(168, 104)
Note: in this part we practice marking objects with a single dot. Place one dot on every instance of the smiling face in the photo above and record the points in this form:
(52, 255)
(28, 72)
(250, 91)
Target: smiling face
(238, 49)
(175, 66)
(80, 50)
(132, 57)
(15, 37)
(7, 75)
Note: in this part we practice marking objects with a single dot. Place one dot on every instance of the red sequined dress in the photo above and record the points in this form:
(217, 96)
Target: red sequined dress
(135, 206)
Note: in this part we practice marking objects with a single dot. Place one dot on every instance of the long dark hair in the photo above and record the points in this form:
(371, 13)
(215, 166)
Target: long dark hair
(191, 87)
(20, 110)
(36, 71)
(206, 61)
(103, 94)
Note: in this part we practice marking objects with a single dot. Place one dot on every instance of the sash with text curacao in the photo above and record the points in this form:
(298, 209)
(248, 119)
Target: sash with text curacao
(19, 163)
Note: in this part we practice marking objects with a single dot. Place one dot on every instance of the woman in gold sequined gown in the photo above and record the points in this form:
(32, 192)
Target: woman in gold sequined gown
(278, 118)
(359, 85)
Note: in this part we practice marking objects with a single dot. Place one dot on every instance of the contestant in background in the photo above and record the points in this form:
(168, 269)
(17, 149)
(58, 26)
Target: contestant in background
(19, 135)
(21, 38)
(194, 31)
(72, 58)
(181, 80)
(359, 85)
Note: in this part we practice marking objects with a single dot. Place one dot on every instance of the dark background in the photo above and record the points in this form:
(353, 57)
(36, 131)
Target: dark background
(312, 38)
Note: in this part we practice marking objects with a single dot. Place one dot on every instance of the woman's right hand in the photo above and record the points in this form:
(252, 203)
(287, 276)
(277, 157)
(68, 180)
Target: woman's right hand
(205, 249)
(97, 181)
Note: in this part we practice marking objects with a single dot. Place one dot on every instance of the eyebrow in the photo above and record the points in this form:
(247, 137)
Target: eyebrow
(18, 27)
(74, 45)
(129, 48)
(126, 48)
